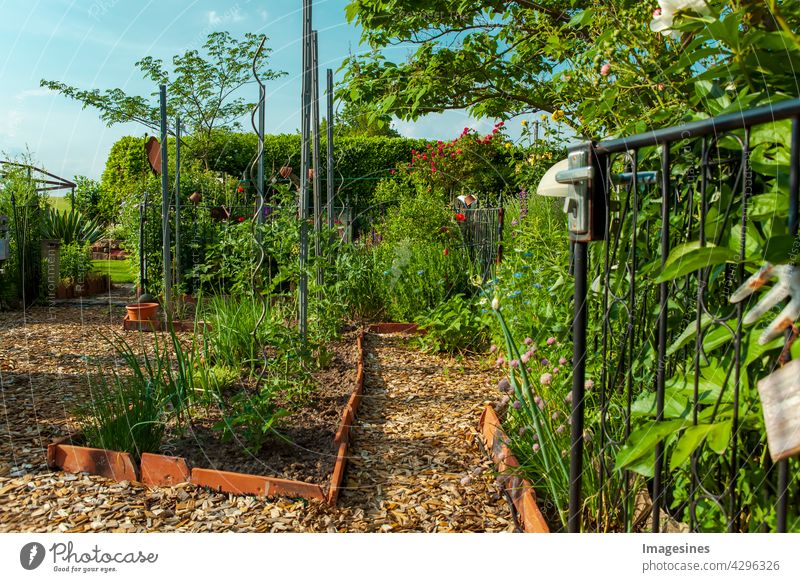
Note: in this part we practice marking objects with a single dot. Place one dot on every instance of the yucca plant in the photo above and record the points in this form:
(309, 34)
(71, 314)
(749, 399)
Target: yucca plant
(69, 227)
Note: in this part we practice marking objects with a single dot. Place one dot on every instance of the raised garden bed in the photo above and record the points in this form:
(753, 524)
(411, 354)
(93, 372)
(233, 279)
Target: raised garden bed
(91, 286)
(519, 490)
(180, 326)
(312, 466)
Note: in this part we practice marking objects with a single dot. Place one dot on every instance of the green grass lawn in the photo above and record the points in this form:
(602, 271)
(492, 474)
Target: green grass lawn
(60, 203)
(119, 271)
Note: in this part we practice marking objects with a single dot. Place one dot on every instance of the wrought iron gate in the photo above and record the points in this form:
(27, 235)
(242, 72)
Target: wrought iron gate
(666, 226)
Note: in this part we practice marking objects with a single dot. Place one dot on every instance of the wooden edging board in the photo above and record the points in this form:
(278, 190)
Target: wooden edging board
(520, 490)
(163, 470)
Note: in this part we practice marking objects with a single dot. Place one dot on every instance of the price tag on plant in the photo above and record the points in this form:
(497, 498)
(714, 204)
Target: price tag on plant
(780, 399)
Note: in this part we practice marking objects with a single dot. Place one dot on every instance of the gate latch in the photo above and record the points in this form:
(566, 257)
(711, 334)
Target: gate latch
(577, 204)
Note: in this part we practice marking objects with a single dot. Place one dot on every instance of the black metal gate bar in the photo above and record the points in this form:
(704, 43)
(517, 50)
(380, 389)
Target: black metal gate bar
(714, 163)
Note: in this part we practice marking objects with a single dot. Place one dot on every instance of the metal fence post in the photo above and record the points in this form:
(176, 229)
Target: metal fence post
(165, 235)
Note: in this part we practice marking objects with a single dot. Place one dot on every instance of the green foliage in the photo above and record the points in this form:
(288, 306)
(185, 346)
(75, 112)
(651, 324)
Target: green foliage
(123, 415)
(88, 194)
(75, 262)
(456, 325)
(251, 418)
(202, 88)
(70, 227)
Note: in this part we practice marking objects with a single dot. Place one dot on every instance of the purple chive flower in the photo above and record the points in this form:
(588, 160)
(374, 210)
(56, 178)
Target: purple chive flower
(535, 447)
(551, 341)
(501, 360)
(535, 437)
(555, 370)
(528, 341)
(525, 358)
(514, 363)
(517, 405)
(560, 429)
(539, 402)
(545, 379)
(504, 385)
(523, 430)
(514, 222)
(545, 362)
(562, 360)
(568, 397)
(555, 415)
(589, 384)
(492, 348)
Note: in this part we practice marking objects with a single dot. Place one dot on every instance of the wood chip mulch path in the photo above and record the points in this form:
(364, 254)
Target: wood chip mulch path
(414, 463)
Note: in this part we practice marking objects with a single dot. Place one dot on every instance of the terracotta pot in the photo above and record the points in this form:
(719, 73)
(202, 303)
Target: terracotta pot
(142, 311)
(196, 197)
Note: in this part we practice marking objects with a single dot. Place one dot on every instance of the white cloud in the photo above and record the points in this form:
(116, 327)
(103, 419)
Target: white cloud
(10, 122)
(29, 93)
(263, 14)
(231, 15)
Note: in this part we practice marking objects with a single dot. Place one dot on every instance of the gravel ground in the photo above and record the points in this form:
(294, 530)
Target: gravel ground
(413, 444)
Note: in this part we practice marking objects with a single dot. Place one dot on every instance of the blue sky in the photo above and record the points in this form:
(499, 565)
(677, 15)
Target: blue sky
(94, 44)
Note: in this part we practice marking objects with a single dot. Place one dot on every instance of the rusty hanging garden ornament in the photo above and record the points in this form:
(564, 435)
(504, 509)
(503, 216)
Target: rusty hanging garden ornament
(780, 391)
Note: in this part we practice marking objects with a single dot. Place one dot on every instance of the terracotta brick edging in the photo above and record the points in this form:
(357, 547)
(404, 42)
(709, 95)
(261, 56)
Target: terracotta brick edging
(394, 328)
(182, 326)
(163, 470)
(520, 490)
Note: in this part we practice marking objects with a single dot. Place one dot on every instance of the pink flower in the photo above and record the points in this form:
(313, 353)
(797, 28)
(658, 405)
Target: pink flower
(517, 404)
(568, 398)
(535, 447)
(501, 360)
(605, 70)
(539, 402)
(545, 379)
(562, 360)
(492, 348)
(560, 429)
(589, 384)
(656, 12)
(525, 357)
(555, 415)
(514, 363)
(528, 341)
(555, 370)
(551, 341)
(661, 86)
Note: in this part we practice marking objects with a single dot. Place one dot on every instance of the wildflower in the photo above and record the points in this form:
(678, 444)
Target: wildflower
(514, 363)
(525, 358)
(545, 362)
(555, 415)
(605, 70)
(524, 123)
(528, 341)
(551, 340)
(495, 303)
(535, 437)
(664, 15)
(589, 384)
(517, 405)
(560, 429)
(500, 361)
(492, 348)
(537, 286)
(562, 360)
(535, 447)
(518, 275)
(546, 379)
(558, 115)
(523, 430)
(504, 385)
(460, 217)
(568, 397)
(509, 145)
(555, 370)
(539, 402)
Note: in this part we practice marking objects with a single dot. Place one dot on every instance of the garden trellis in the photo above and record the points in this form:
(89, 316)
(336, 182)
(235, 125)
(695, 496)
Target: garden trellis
(676, 365)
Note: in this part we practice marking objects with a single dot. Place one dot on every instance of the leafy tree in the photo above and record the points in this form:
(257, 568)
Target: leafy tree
(87, 196)
(603, 69)
(204, 89)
